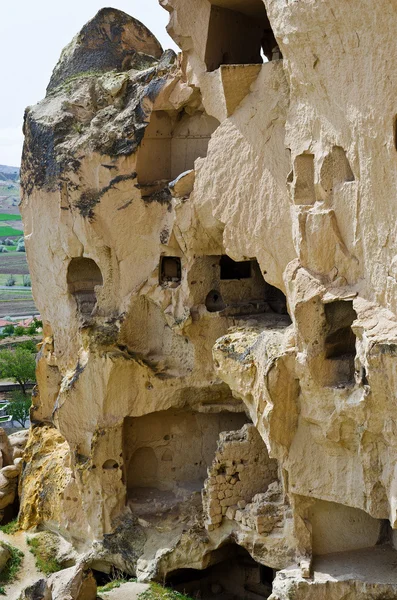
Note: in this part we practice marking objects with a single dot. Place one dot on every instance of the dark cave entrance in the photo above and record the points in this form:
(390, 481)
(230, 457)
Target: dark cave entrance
(340, 341)
(170, 270)
(232, 575)
(239, 33)
(83, 277)
(239, 288)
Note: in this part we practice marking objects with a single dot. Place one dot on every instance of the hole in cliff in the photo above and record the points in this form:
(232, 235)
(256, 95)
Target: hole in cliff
(340, 341)
(303, 180)
(170, 147)
(239, 33)
(240, 288)
(214, 301)
(110, 574)
(170, 270)
(231, 269)
(340, 528)
(110, 465)
(335, 170)
(232, 573)
(83, 277)
(171, 469)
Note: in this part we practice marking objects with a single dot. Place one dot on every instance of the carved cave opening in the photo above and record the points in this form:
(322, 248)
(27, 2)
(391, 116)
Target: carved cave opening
(83, 277)
(239, 33)
(170, 270)
(166, 453)
(238, 288)
(231, 269)
(340, 528)
(303, 182)
(340, 342)
(232, 574)
(170, 146)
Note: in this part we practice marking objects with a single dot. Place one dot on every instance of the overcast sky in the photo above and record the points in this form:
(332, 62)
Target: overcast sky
(32, 35)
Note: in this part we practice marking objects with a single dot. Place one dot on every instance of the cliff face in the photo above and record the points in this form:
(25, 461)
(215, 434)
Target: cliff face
(212, 245)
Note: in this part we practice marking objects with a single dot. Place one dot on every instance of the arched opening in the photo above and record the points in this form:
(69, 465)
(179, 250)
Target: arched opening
(239, 33)
(83, 277)
(142, 469)
(110, 465)
(170, 147)
(214, 301)
(232, 575)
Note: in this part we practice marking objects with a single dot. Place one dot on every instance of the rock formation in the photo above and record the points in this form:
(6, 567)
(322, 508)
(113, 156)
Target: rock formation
(212, 246)
(11, 452)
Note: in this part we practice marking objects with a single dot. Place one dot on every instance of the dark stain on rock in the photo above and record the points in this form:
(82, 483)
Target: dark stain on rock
(90, 198)
(128, 540)
(108, 42)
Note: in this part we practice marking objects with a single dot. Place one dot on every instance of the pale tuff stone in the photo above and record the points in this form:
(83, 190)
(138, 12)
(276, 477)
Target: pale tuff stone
(212, 247)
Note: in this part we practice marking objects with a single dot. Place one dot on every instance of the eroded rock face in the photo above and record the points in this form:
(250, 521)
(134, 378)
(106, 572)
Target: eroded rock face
(217, 375)
(11, 452)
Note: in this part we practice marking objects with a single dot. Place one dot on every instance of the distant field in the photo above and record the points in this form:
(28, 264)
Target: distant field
(16, 303)
(18, 279)
(14, 263)
(7, 217)
(6, 190)
(7, 231)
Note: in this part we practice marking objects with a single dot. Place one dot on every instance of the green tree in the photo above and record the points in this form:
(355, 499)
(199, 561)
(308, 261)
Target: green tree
(9, 329)
(10, 281)
(19, 365)
(28, 345)
(19, 407)
(19, 330)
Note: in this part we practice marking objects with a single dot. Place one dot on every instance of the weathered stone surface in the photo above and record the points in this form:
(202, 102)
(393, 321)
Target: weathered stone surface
(112, 40)
(5, 556)
(38, 591)
(75, 583)
(217, 379)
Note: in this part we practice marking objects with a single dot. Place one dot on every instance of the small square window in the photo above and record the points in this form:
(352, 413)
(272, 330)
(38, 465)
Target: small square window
(170, 269)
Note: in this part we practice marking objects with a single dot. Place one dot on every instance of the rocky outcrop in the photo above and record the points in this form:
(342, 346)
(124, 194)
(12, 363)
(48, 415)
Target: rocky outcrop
(11, 452)
(216, 379)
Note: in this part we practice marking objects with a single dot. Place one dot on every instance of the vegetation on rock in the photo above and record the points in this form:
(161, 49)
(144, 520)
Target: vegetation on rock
(158, 592)
(12, 567)
(44, 548)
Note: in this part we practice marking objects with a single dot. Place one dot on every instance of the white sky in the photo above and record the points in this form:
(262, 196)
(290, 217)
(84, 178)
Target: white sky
(32, 35)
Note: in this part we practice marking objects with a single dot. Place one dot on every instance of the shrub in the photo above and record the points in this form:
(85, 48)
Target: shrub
(28, 345)
(19, 330)
(26, 281)
(9, 329)
(10, 281)
(31, 330)
(10, 528)
(158, 592)
(11, 569)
